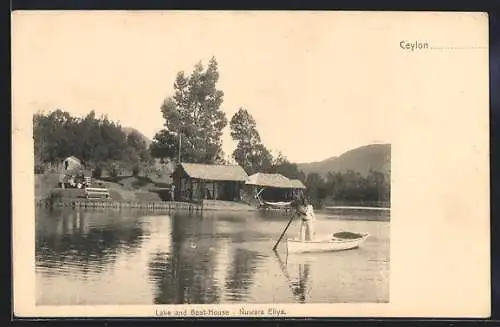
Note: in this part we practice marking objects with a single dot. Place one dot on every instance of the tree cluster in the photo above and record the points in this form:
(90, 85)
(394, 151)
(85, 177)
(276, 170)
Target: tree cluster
(349, 186)
(281, 165)
(99, 142)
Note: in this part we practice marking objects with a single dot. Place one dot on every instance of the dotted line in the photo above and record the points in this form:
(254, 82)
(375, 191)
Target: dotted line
(457, 48)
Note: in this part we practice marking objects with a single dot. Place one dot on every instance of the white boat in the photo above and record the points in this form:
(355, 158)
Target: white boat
(333, 242)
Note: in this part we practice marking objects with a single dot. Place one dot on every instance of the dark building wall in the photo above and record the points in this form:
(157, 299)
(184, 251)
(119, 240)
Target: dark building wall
(220, 190)
(191, 189)
(268, 194)
(276, 194)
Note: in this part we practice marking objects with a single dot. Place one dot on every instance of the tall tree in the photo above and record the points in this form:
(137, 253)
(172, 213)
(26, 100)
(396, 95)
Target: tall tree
(194, 114)
(164, 146)
(250, 153)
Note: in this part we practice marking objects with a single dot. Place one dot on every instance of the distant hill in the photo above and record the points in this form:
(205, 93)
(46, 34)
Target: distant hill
(362, 159)
(129, 130)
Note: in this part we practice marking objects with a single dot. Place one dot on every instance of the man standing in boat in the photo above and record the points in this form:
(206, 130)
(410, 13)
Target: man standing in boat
(306, 212)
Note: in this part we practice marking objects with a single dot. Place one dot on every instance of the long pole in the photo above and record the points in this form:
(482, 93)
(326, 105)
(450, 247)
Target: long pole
(284, 231)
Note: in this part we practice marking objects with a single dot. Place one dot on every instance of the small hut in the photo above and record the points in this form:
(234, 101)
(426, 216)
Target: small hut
(195, 182)
(72, 163)
(274, 187)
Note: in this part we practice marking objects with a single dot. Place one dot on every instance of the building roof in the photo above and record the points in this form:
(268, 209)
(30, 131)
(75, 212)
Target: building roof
(274, 180)
(269, 180)
(215, 172)
(296, 183)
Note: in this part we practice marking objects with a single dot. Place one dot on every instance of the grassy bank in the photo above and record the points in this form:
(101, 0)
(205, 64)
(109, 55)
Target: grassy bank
(121, 188)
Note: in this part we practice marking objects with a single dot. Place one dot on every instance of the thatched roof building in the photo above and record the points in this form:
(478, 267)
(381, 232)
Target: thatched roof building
(268, 180)
(200, 181)
(215, 172)
(274, 186)
(274, 180)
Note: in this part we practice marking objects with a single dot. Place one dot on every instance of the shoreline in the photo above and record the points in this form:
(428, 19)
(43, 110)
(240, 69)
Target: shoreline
(212, 205)
(197, 208)
(78, 203)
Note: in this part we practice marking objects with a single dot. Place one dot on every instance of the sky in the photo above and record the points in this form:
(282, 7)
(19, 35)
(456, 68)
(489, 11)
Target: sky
(314, 82)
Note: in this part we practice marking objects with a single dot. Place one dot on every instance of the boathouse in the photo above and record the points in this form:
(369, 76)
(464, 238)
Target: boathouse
(195, 182)
(273, 187)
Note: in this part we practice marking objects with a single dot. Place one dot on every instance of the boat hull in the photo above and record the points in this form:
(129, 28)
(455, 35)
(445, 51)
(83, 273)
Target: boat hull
(325, 245)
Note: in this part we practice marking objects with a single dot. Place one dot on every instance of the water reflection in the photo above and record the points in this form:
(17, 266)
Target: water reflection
(138, 258)
(241, 272)
(201, 266)
(185, 273)
(86, 242)
(299, 286)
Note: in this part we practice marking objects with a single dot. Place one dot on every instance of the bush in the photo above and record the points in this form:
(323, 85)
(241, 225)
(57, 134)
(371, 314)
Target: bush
(135, 170)
(97, 172)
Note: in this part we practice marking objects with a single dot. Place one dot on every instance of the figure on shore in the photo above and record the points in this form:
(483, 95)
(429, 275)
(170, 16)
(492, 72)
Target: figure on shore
(172, 193)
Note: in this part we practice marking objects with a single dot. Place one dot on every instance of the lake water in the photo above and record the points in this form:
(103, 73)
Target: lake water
(131, 257)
